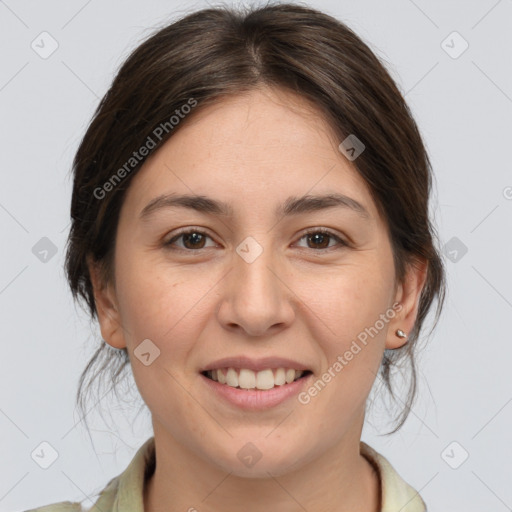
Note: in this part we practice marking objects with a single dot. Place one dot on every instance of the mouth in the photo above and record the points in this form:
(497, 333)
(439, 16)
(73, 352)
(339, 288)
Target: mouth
(245, 379)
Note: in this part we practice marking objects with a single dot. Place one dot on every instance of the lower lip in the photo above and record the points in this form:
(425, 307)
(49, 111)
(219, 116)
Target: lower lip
(257, 399)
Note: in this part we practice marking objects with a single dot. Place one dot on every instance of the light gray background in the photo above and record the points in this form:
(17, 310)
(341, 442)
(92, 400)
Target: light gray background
(463, 107)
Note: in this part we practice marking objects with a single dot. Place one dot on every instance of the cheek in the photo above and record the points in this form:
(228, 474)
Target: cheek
(165, 304)
(347, 321)
(148, 293)
(351, 297)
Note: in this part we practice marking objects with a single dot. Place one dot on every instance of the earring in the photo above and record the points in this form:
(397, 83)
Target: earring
(400, 333)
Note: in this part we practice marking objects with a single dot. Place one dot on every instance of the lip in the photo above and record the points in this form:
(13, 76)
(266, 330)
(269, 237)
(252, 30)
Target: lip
(256, 365)
(256, 399)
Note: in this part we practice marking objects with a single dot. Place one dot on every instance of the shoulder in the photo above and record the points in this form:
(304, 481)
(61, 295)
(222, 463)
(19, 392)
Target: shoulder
(63, 506)
(126, 488)
(104, 503)
(396, 493)
(105, 498)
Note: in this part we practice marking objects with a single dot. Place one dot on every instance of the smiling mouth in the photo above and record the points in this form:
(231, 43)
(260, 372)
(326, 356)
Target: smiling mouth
(249, 380)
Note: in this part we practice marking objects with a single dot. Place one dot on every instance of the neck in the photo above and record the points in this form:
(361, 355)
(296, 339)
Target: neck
(340, 480)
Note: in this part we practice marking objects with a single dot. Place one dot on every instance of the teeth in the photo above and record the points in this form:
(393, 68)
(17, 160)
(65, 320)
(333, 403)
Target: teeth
(247, 379)
(231, 378)
(264, 379)
(290, 376)
(280, 377)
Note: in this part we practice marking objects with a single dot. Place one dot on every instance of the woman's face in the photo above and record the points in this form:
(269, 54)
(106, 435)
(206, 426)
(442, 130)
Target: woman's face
(250, 282)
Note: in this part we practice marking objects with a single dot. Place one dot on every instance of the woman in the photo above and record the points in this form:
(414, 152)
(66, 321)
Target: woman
(250, 227)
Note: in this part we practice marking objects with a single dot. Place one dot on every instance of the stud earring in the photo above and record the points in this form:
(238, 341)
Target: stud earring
(400, 333)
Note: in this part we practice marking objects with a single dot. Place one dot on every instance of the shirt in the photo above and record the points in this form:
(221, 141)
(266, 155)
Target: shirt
(125, 492)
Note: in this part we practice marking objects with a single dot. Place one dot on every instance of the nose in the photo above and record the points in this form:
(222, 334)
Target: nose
(255, 297)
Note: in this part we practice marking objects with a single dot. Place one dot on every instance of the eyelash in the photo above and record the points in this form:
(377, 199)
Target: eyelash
(189, 231)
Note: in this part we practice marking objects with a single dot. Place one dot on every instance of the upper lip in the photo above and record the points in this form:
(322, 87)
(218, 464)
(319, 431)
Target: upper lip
(255, 365)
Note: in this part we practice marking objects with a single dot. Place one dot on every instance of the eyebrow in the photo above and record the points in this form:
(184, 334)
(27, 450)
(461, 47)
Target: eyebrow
(292, 206)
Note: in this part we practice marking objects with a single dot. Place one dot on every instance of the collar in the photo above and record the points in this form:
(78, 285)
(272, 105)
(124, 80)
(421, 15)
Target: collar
(396, 493)
(125, 493)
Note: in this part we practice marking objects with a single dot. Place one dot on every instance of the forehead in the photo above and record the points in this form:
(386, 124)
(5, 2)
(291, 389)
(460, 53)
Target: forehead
(262, 119)
(264, 144)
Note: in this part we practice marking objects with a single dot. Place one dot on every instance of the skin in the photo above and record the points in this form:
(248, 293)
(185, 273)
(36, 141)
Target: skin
(296, 300)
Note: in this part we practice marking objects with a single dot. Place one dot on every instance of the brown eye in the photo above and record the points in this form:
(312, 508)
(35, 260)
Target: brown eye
(192, 239)
(320, 239)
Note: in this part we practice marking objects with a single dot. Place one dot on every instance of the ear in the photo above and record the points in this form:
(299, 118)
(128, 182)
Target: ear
(106, 307)
(408, 295)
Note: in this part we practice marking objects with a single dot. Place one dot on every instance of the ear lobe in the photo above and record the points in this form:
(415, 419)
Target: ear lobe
(408, 295)
(106, 307)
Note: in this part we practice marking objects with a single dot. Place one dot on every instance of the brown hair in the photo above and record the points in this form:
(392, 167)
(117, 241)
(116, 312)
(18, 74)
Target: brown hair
(220, 52)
